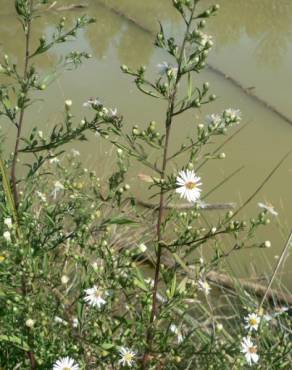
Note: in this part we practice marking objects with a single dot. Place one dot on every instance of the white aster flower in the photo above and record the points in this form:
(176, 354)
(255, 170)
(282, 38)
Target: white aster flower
(75, 322)
(233, 115)
(54, 160)
(214, 119)
(57, 187)
(165, 67)
(65, 363)
(59, 320)
(92, 102)
(281, 310)
(94, 297)
(249, 350)
(7, 236)
(175, 330)
(269, 208)
(204, 38)
(113, 112)
(188, 185)
(252, 321)
(8, 222)
(127, 356)
(204, 286)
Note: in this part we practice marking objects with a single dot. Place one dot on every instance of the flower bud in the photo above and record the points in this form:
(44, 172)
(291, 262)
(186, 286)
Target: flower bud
(222, 156)
(206, 86)
(213, 230)
(68, 103)
(267, 244)
(64, 279)
(124, 68)
(29, 323)
(142, 247)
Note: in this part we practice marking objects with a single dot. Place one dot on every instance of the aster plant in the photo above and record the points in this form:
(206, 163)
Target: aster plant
(75, 290)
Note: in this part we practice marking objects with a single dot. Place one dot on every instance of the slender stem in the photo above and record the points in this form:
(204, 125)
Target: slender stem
(281, 259)
(168, 123)
(21, 116)
(28, 20)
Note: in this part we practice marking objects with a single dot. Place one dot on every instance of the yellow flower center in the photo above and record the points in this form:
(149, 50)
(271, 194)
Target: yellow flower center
(2, 258)
(190, 185)
(253, 322)
(97, 294)
(66, 368)
(128, 357)
(253, 349)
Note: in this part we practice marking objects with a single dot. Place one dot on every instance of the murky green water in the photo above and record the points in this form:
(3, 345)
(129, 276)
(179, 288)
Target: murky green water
(253, 46)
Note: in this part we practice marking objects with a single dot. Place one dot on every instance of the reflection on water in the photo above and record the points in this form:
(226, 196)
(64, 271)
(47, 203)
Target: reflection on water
(247, 33)
(268, 22)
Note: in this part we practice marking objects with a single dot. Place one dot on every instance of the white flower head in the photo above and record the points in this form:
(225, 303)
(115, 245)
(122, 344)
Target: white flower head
(113, 112)
(30, 323)
(59, 320)
(269, 208)
(7, 236)
(249, 350)
(214, 120)
(142, 248)
(64, 279)
(92, 102)
(204, 286)
(65, 363)
(189, 185)
(57, 188)
(94, 297)
(41, 134)
(8, 222)
(281, 310)
(204, 39)
(175, 330)
(75, 322)
(127, 356)
(165, 67)
(68, 103)
(232, 115)
(54, 160)
(252, 321)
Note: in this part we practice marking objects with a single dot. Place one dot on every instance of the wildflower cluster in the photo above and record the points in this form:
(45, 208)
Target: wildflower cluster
(75, 290)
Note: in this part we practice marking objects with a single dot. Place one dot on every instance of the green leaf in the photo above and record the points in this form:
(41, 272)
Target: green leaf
(119, 221)
(107, 346)
(173, 286)
(139, 280)
(8, 192)
(17, 342)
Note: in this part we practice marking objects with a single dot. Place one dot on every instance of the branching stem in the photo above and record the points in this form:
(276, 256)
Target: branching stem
(168, 123)
(22, 110)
